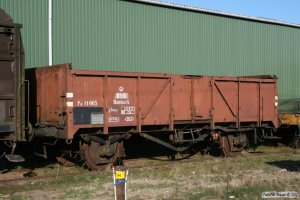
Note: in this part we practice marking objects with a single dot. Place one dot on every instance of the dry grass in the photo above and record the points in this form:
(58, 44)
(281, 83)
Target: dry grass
(207, 177)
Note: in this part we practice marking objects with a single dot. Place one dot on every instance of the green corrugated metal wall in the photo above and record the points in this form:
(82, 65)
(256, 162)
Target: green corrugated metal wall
(126, 36)
(33, 14)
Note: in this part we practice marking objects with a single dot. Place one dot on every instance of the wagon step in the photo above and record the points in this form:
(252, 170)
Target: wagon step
(14, 158)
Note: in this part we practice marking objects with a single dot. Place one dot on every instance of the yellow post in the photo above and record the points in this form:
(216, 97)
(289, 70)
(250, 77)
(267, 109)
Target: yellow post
(120, 174)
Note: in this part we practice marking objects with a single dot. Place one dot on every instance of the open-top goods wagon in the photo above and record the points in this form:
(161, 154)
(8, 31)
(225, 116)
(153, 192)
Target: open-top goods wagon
(98, 110)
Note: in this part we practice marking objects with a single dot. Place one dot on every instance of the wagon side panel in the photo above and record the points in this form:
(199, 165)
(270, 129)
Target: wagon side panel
(121, 101)
(202, 95)
(249, 103)
(269, 102)
(155, 101)
(225, 101)
(87, 101)
(183, 102)
(51, 83)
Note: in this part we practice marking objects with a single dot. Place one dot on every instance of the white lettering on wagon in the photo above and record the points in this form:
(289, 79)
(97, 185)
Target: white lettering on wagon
(121, 94)
(121, 97)
(113, 110)
(128, 110)
(120, 102)
(69, 94)
(121, 108)
(113, 119)
(69, 104)
(129, 119)
(88, 103)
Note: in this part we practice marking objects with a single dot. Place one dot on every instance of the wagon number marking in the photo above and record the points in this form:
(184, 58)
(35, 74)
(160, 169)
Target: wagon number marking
(91, 103)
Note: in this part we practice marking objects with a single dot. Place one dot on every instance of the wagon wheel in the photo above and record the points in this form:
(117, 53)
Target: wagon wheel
(225, 145)
(92, 155)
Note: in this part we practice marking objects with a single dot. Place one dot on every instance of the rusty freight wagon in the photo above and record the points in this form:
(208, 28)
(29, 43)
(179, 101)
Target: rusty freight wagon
(12, 88)
(98, 110)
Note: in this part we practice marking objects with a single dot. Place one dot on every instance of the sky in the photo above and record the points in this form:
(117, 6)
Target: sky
(281, 10)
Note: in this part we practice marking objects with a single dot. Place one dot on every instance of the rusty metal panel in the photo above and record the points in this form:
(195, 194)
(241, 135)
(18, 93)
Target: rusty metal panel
(109, 101)
(121, 101)
(249, 101)
(269, 98)
(203, 98)
(155, 101)
(183, 98)
(225, 100)
(50, 91)
(88, 93)
(12, 91)
(244, 100)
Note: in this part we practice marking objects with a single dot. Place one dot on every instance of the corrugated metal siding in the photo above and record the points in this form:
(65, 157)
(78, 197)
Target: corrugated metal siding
(126, 36)
(33, 14)
(119, 35)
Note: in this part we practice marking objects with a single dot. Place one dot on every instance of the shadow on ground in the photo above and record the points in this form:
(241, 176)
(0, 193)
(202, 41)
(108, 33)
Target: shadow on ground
(31, 160)
(138, 147)
(289, 165)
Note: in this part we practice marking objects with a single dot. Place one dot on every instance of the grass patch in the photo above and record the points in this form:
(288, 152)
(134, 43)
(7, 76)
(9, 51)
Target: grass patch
(205, 177)
(76, 193)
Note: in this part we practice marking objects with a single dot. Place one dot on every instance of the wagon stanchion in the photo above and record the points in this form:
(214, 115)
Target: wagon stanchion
(120, 174)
